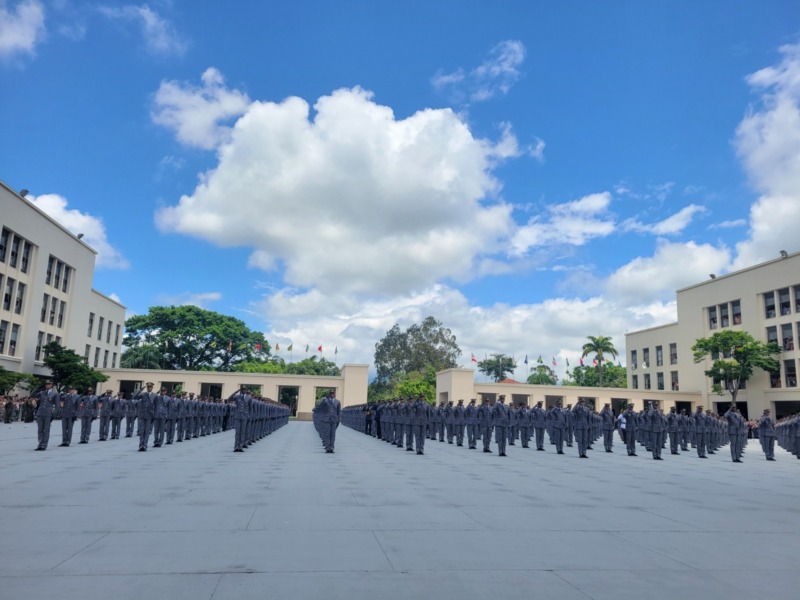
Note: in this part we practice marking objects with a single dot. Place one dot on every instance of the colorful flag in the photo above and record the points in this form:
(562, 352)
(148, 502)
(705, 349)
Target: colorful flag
(230, 346)
(526, 359)
(581, 361)
(609, 361)
(474, 359)
(540, 361)
(594, 362)
(213, 344)
(319, 348)
(554, 361)
(277, 347)
(258, 346)
(290, 347)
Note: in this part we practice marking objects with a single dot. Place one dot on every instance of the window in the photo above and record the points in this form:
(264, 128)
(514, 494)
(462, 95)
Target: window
(635, 382)
(673, 376)
(659, 356)
(673, 354)
(775, 378)
(105, 359)
(86, 354)
(790, 368)
(634, 359)
(108, 333)
(772, 334)
(96, 357)
(53, 307)
(783, 298)
(736, 310)
(12, 342)
(114, 361)
(787, 337)
(116, 336)
(712, 317)
(769, 304)
(61, 308)
(67, 272)
(91, 323)
(796, 298)
(647, 381)
(100, 329)
(57, 278)
(26, 256)
(3, 331)
(50, 262)
(9, 293)
(4, 244)
(724, 318)
(12, 259)
(49, 339)
(18, 304)
(645, 358)
(45, 302)
(39, 342)
(660, 380)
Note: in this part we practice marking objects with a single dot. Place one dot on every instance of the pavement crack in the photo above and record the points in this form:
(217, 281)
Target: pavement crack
(87, 546)
(375, 535)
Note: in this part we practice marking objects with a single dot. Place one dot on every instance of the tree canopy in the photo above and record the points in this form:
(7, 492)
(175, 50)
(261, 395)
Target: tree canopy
(68, 369)
(542, 375)
(192, 338)
(735, 355)
(614, 376)
(601, 346)
(422, 345)
(11, 379)
(497, 366)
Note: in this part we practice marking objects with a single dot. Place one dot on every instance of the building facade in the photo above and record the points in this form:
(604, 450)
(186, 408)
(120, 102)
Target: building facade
(46, 292)
(763, 300)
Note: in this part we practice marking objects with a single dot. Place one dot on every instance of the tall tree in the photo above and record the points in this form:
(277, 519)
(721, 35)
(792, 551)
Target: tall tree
(422, 345)
(314, 366)
(614, 376)
(192, 338)
(542, 375)
(11, 379)
(601, 346)
(68, 369)
(735, 355)
(497, 366)
(145, 356)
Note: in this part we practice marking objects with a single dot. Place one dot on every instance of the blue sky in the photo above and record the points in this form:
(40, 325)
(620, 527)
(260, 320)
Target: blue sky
(530, 173)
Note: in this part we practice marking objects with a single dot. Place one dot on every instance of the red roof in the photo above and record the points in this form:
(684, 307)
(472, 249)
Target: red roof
(509, 381)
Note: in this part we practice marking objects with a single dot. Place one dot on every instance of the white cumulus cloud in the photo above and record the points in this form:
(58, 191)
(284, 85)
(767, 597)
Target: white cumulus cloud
(159, 35)
(77, 222)
(672, 225)
(21, 28)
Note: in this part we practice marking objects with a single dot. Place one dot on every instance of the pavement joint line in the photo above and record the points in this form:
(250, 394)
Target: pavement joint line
(219, 580)
(388, 560)
(86, 547)
(252, 514)
(570, 584)
(666, 556)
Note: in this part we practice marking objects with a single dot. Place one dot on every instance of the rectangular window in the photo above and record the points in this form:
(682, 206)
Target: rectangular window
(660, 380)
(12, 342)
(86, 353)
(67, 273)
(114, 361)
(108, 333)
(91, 324)
(26, 257)
(49, 338)
(3, 332)
(790, 368)
(53, 308)
(45, 302)
(772, 334)
(50, 264)
(673, 376)
(100, 329)
(634, 359)
(20, 301)
(39, 343)
(61, 309)
(96, 357)
(786, 336)
(783, 298)
(12, 259)
(116, 336)
(4, 244)
(646, 358)
(769, 304)
(105, 359)
(659, 356)
(673, 354)
(635, 382)
(775, 378)
(712, 317)
(647, 381)
(724, 318)
(796, 298)
(736, 311)
(9, 293)
(57, 278)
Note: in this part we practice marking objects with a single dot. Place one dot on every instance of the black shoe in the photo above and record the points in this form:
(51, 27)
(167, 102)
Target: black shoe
(39, 449)
(634, 454)
(502, 454)
(142, 449)
(659, 458)
(61, 445)
(540, 449)
(409, 449)
(83, 442)
(420, 452)
(584, 456)
(772, 459)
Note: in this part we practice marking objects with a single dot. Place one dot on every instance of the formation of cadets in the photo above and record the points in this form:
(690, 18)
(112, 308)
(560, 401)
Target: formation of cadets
(408, 423)
(165, 415)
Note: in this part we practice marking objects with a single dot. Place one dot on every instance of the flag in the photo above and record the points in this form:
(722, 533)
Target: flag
(526, 359)
(319, 348)
(277, 347)
(581, 361)
(306, 347)
(290, 347)
(609, 361)
(230, 346)
(336, 350)
(554, 361)
(258, 346)
(540, 361)
(474, 359)
(594, 362)
(567, 363)
(213, 344)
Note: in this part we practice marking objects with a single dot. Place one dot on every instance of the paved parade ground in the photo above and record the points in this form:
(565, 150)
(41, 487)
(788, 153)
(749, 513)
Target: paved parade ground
(284, 520)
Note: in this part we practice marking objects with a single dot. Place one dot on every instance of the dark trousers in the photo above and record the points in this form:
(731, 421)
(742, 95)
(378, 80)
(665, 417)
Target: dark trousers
(43, 425)
(66, 430)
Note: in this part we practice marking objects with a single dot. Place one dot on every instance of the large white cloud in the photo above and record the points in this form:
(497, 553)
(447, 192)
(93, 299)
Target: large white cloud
(351, 197)
(21, 28)
(768, 143)
(77, 222)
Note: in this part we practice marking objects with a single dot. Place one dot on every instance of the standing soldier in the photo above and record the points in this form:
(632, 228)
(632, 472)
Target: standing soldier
(104, 402)
(130, 416)
(580, 417)
(47, 401)
(501, 422)
(569, 430)
(734, 424)
(145, 411)
(657, 424)
(117, 412)
(631, 422)
(329, 411)
(608, 427)
(459, 421)
(485, 423)
(69, 412)
(766, 434)
(673, 430)
(159, 417)
(683, 430)
(699, 421)
(172, 416)
(512, 424)
(449, 421)
(471, 419)
(419, 422)
(558, 424)
(524, 425)
(87, 412)
(239, 415)
(539, 422)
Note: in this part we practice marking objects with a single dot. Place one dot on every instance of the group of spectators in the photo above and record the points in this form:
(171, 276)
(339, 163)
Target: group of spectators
(17, 409)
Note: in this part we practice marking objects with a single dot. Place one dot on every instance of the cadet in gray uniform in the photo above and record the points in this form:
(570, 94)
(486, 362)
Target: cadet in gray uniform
(130, 416)
(734, 424)
(608, 427)
(117, 412)
(569, 430)
(145, 411)
(485, 423)
(471, 419)
(87, 412)
(500, 422)
(631, 422)
(766, 434)
(159, 417)
(329, 412)
(524, 425)
(459, 422)
(580, 416)
(539, 422)
(420, 411)
(449, 421)
(699, 421)
(105, 415)
(69, 412)
(673, 430)
(657, 425)
(512, 425)
(239, 415)
(47, 401)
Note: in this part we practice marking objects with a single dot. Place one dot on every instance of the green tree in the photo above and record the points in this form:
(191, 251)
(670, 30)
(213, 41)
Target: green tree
(542, 375)
(192, 338)
(411, 385)
(11, 379)
(68, 369)
(614, 376)
(497, 366)
(422, 345)
(600, 346)
(735, 355)
(145, 356)
(314, 366)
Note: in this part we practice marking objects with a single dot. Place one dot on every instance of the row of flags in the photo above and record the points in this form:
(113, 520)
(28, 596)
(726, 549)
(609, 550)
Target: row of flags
(289, 348)
(555, 362)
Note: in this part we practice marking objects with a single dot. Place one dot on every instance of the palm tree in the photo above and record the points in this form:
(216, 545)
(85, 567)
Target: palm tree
(599, 346)
(140, 357)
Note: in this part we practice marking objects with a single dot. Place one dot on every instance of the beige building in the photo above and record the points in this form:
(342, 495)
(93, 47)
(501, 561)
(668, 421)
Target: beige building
(763, 300)
(46, 292)
(460, 384)
(350, 387)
